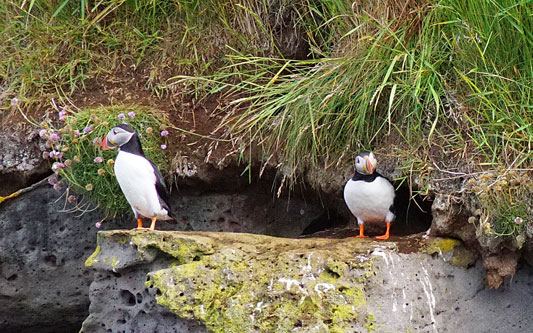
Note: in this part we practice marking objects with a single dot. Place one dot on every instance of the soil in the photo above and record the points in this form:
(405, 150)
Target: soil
(405, 244)
(193, 121)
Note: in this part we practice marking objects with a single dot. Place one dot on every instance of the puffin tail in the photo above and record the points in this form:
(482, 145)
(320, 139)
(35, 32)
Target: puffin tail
(172, 219)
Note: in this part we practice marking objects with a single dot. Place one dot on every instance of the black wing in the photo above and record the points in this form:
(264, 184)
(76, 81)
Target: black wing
(162, 190)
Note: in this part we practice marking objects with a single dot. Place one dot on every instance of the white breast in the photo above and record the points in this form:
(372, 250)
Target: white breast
(136, 178)
(370, 201)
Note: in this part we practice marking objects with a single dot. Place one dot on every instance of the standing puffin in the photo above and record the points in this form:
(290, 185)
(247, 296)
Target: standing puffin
(369, 195)
(139, 179)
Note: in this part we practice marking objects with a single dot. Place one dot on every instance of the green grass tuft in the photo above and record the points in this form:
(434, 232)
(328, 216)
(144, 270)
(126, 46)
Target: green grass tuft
(79, 156)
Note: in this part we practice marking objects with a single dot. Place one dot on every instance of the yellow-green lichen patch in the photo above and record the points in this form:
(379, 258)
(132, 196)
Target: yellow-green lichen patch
(92, 259)
(440, 245)
(452, 248)
(182, 246)
(463, 257)
(236, 291)
(243, 282)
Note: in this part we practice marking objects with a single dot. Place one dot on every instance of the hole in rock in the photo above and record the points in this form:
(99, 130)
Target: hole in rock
(230, 202)
(413, 215)
(12, 277)
(51, 260)
(127, 298)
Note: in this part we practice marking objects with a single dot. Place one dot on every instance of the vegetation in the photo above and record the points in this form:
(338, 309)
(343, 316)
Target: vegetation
(80, 160)
(441, 86)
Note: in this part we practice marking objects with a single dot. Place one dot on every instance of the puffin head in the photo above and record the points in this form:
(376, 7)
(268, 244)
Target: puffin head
(118, 136)
(365, 163)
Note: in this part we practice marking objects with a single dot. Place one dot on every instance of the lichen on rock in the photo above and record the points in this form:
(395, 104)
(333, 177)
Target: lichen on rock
(450, 249)
(246, 289)
(244, 282)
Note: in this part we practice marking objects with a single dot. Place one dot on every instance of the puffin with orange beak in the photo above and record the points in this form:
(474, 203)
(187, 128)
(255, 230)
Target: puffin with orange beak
(369, 195)
(139, 179)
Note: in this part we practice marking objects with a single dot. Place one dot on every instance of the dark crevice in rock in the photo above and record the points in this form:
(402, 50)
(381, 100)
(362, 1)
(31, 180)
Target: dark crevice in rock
(413, 215)
(14, 181)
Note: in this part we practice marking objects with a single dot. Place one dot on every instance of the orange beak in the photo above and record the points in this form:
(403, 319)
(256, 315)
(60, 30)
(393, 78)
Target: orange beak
(369, 166)
(104, 144)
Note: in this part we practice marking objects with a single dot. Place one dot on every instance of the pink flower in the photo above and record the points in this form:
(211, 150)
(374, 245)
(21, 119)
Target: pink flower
(71, 198)
(97, 141)
(45, 155)
(121, 116)
(52, 180)
(42, 133)
(76, 132)
(87, 129)
(57, 166)
(131, 114)
(98, 225)
(163, 146)
(57, 186)
(55, 155)
(55, 137)
(98, 159)
(164, 133)
(14, 101)
(62, 114)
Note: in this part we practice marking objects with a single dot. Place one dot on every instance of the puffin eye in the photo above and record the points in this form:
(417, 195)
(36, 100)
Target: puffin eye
(114, 132)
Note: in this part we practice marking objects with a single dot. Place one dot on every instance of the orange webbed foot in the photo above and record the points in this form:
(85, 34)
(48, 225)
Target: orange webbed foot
(140, 225)
(152, 226)
(361, 232)
(386, 236)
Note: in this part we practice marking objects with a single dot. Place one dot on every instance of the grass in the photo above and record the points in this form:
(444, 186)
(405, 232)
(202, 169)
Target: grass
(454, 86)
(86, 168)
(505, 200)
(441, 85)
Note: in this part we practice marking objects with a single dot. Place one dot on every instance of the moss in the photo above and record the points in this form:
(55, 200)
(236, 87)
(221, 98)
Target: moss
(440, 245)
(242, 282)
(184, 248)
(92, 259)
(111, 261)
(461, 256)
(236, 290)
(371, 323)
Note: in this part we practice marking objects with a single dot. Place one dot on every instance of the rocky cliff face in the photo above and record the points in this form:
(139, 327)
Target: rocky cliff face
(43, 283)
(173, 282)
(224, 282)
(21, 160)
(43, 247)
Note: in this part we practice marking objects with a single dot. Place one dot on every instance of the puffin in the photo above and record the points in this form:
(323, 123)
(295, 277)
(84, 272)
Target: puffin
(139, 179)
(368, 195)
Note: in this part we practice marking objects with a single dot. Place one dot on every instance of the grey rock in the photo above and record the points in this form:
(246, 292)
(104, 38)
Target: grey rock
(402, 291)
(43, 250)
(21, 161)
(251, 211)
(43, 282)
(120, 301)
(416, 292)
